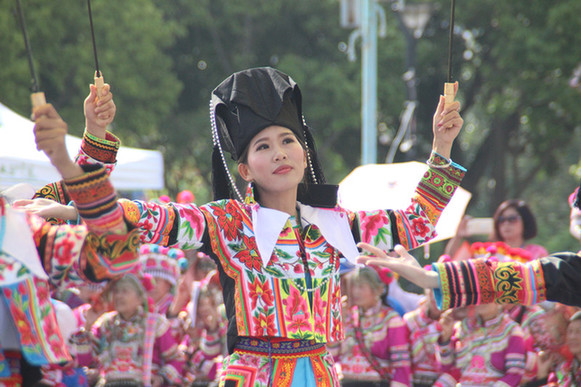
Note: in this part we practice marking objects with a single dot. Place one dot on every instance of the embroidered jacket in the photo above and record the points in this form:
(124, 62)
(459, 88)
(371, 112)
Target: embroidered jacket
(488, 354)
(263, 275)
(536, 334)
(34, 252)
(118, 348)
(423, 333)
(482, 280)
(383, 336)
(260, 258)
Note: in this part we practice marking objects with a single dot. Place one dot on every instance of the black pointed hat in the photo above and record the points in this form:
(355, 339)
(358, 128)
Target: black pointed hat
(244, 104)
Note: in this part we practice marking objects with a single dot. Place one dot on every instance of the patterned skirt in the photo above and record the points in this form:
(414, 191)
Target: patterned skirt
(265, 362)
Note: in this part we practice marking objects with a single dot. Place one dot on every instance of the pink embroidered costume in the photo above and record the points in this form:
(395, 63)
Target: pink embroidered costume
(118, 348)
(206, 352)
(423, 336)
(34, 252)
(376, 347)
(262, 272)
(483, 354)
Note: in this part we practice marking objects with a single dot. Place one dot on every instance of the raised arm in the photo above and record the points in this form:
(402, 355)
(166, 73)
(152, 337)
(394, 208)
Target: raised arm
(98, 146)
(416, 224)
(102, 249)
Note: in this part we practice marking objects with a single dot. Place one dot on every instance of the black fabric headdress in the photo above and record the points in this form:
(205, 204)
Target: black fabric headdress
(244, 104)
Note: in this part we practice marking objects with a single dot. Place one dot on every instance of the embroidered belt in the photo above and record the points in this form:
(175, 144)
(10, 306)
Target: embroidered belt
(277, 348)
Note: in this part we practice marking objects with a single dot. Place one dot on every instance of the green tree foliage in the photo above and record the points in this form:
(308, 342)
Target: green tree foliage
(131, 38)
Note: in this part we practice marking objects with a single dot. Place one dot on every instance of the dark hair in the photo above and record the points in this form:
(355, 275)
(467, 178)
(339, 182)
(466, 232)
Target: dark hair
(528, 219)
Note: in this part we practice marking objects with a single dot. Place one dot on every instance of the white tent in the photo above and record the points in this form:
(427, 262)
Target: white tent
(20, 162)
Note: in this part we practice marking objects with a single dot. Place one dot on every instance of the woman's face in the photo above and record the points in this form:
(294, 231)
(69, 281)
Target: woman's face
(276, 161)
(363, 295)
(510, 225)
(574, 337)
(126, 299)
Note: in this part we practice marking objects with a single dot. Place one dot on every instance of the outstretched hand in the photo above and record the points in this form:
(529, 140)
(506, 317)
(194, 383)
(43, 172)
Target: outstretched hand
(404, 264)
(447, 124)
(47, 208)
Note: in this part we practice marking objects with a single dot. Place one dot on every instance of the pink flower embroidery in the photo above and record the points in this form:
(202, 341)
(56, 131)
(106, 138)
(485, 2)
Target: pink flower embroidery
(419, 227)
(370, 224)
(296, 311)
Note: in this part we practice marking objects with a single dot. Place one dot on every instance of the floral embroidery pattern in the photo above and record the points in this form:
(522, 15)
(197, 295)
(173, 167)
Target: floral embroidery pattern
(229, 219)
(248, 253)
(296, 309)
(373, 227)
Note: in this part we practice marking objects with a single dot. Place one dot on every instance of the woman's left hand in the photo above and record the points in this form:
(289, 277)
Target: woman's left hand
(446, 124)
(47, 208)
(405, 265)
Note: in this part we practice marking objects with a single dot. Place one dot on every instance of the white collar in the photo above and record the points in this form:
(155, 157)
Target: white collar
(332, 223)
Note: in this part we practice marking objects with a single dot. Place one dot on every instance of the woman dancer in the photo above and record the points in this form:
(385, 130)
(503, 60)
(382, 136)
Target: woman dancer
(278, 251)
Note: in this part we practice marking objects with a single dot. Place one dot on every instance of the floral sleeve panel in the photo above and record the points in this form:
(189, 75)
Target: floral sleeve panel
(416, 224)
(75, 253)
(71, 255)
(176, 225)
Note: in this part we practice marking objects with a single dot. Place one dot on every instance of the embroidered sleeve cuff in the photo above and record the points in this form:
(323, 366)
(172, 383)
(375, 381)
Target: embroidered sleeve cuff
(483, 281)
(437, 186)
(96, 200)
(101, 150)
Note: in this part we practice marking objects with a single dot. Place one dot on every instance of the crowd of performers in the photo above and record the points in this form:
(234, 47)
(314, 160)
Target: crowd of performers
(266, 289)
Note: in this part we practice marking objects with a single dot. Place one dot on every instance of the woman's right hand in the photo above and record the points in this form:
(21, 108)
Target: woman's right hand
(99, 112)
(49, 133)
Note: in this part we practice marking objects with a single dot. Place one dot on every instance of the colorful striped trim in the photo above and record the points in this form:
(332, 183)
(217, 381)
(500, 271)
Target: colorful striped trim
(95, 199)
(279, 349)
(482, 281)
(103, 150)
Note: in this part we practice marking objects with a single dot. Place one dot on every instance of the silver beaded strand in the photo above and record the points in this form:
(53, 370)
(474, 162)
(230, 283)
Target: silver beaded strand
(216, 142)
(311, 169)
